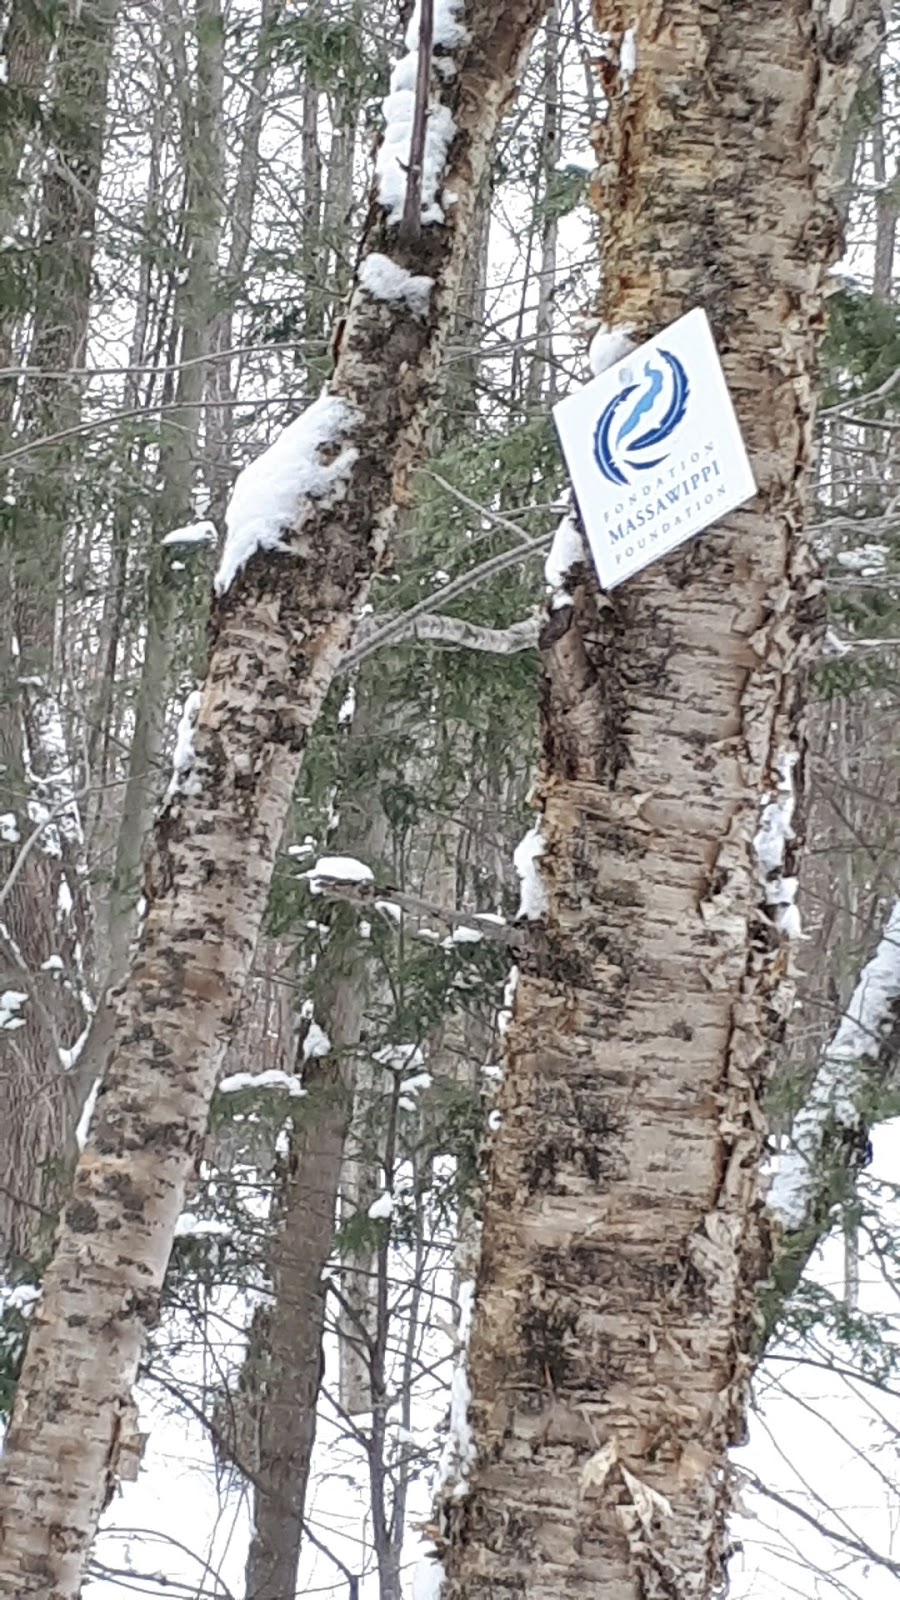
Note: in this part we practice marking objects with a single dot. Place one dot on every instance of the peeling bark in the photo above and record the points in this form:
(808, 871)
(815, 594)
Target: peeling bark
(616, 1311)
(277, 636)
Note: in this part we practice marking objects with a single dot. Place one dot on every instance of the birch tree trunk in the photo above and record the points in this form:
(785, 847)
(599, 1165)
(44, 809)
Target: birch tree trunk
(277, 636)
(616, 1317)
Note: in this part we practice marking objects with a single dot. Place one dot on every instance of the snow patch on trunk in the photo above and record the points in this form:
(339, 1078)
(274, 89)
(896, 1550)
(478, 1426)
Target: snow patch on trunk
(608, 346)
(9, 828)
(70, 1057)
(428, 1578)
(628, 58)
(273, 495)
(184, 780)
(565, 552)
(458, 1453)
(84, 1121)
(840, 1080)
(505, 1014)
(533, 902)
(11, 1002)
(770, 844)
(316, 1043)
(383, 279)
(399, 108)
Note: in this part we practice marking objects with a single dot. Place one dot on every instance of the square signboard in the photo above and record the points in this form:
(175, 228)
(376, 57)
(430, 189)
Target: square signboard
(654, 449)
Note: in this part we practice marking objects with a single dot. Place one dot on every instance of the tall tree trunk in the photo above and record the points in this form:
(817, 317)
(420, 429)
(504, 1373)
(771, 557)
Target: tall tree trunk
(306, 1206)
(540, 371)
(26, 47)
(65, 254)
(615, 1323)
(46, 910)
(885, 204)
(279, 630)
(180, 426)
(220, 402)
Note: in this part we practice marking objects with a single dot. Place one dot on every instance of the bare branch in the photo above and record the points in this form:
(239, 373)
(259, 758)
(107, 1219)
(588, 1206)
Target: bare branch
(438, 597)
(453, 632)
(411, 225)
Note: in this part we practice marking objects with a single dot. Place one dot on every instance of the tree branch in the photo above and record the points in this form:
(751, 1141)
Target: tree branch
(369, 894)
(453, 632)
(449, 591)
(411, 225)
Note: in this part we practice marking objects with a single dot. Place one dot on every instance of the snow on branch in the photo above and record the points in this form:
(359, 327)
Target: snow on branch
(241, 1082)
(308, 462)
(835, 1098)
(342, 878)
(331, 870)
(193, 533)
(448, 591)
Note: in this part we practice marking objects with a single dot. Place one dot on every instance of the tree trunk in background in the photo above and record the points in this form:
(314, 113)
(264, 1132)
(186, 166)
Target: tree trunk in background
(64, 257)
(616, 1306)
(46, 915)
(885, 203)
(540, 372)
(305, 1205)
(217, 456)
(277, 639)
(180, 424)
(27, 42)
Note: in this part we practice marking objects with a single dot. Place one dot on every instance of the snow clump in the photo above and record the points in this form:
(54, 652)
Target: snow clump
(533, 902)
(608, 346)
(399, 108)
(770, 844)
(338, 869)
(565, 552)
(194, 533)
(272, 496)
(383, 279)
(184, 780)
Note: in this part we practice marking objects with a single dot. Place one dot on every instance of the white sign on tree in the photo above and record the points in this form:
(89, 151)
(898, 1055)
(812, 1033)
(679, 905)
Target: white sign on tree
(654, 449)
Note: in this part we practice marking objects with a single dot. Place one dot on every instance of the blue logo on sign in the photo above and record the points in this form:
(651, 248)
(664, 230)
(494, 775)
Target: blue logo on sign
(623, 443)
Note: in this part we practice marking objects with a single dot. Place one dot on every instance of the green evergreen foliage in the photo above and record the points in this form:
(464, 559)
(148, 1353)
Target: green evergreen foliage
(861, 349)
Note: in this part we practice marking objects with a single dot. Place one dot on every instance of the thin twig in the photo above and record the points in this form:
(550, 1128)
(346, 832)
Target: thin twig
(411, 224)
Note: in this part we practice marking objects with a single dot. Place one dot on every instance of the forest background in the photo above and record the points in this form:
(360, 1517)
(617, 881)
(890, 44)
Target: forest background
(182, 192)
